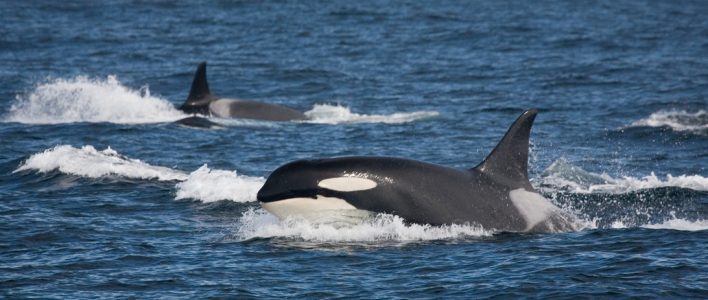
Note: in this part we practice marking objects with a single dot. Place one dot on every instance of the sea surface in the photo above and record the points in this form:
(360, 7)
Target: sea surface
(102, 196)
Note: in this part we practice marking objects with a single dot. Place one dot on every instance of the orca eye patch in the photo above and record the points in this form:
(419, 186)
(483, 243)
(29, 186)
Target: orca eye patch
(347, 184)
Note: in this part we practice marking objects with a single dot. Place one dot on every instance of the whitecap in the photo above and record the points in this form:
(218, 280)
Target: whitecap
(258, 223)
(82, 99)
(89, 162)
(561, 175)
(680, 224)
(336, 114)
(209, 185)
(203, 184)
(678, 120)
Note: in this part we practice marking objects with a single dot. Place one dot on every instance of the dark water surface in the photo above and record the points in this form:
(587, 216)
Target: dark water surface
(102, 196)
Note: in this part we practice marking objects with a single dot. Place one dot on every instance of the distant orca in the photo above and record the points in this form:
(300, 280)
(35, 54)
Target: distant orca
(202, 101)
(496, 194)
(195, 121)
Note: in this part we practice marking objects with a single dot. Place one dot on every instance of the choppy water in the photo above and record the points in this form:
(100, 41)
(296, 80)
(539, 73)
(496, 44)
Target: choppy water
(102, 196)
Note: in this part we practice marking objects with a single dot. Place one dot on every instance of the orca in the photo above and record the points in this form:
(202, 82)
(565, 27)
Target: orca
(496, 194)
(195, 121)
(202, 102)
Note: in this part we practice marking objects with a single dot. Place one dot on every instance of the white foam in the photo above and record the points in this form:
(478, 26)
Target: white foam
(214, 185)
(82, 99)
(336, 114)
(89, 162)
(203, 184)
(257, 223)
(678, 120)
(628, 183)
(680, 224)
(616, 225)
(673, 224)
(564, 176)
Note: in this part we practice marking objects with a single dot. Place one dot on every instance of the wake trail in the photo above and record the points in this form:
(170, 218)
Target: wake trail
(107, 100)
(338, 114)
(563, 176)
(203, 184)
(677, 120)
(83, 99)
(604, 201)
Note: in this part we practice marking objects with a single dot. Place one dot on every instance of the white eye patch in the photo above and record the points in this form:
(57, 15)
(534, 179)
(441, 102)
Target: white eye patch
(347, 184)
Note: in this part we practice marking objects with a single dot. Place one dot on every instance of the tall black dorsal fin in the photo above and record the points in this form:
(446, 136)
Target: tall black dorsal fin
(200, 87)
(510, 158)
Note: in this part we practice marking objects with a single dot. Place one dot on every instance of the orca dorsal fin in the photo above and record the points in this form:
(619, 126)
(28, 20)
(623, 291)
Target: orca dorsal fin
(200, 86)
(510, 158)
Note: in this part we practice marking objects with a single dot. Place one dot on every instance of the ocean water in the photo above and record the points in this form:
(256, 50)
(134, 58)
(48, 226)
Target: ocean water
(102, 196)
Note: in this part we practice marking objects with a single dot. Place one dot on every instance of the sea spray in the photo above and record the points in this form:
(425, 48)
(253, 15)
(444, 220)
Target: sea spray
(677, 120)
(257, 223)
(89, 162)
(203, 184)
(213, 185)
(83, 99)
(336, 114)
(561, 175)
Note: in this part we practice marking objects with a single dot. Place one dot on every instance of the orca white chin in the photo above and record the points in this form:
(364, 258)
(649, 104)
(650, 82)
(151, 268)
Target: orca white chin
(319, 210)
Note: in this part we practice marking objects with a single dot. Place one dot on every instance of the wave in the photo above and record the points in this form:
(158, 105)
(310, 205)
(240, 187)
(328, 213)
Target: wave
(213, 185)
(82, 99)
(257, 223)
(561, 175)
(338, 114)
(91, 163)
(680, 224)
(672, 224)
(202, 184)
(602, 201)
(677, 120)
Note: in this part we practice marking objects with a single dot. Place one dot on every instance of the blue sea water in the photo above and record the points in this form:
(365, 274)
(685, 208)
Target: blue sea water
(102, 196)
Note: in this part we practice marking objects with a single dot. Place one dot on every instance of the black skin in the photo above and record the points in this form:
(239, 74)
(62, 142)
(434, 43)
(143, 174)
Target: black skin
(199, 122)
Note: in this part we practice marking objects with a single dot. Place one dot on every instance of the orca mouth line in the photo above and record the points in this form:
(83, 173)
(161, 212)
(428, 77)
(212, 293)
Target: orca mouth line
(308, 193)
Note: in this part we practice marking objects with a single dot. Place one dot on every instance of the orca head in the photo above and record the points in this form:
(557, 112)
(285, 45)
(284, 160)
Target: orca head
(199, 95)
(312, 186)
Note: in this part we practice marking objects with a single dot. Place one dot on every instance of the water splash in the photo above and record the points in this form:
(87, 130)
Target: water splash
(92, 163)
(257, 223)
(602, 201)
(214, 185)
(203, 184)
(680, 224)
(82, 99)
(561, 175)
(671, 224)
(677, 120)
(337, 114)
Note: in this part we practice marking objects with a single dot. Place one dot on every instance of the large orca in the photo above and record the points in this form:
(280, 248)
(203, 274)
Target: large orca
(201, 101)
(496, 194)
